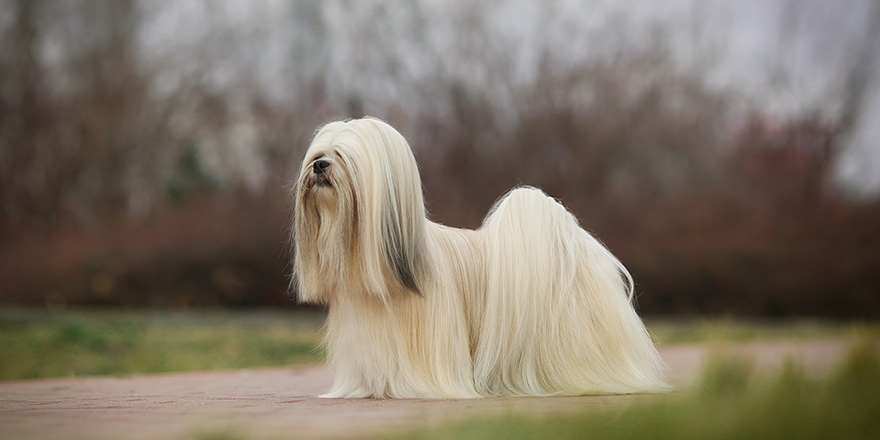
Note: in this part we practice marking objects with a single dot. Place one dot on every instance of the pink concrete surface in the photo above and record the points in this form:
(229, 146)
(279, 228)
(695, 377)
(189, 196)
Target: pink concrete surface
(283, 402)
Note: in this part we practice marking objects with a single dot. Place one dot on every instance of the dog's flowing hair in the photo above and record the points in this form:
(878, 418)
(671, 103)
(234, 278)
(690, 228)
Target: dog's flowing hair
(528, 304)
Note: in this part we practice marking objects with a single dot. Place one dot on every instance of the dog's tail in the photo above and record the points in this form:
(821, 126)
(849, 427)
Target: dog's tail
(558, 315)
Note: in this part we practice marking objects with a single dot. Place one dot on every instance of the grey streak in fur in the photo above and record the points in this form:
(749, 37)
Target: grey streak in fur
(405, 259)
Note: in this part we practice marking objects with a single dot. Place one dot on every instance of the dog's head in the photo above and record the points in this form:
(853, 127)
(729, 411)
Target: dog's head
(359, 214)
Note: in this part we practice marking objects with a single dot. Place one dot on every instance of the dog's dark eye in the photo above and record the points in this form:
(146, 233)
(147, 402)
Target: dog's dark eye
(339, 157)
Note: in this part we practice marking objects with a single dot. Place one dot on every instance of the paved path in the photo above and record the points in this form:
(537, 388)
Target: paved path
(281, 402)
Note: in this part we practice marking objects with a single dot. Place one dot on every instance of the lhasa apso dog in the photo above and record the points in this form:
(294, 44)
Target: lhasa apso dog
(529, 304)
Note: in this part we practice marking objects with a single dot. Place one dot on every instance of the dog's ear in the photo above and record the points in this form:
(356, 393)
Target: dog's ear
(391, 220)
(404, 242)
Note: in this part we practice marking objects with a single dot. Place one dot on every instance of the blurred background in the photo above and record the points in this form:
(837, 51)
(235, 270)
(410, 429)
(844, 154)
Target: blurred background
(727, 152)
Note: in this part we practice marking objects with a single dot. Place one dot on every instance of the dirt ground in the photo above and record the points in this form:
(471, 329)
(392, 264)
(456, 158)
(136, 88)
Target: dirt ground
(282, 402)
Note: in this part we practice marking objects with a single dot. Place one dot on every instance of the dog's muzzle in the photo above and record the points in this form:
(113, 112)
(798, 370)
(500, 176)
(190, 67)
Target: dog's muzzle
(320, 166)
(321, 169)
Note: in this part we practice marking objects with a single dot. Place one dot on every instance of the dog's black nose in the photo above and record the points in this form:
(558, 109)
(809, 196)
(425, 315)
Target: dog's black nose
(320, 166)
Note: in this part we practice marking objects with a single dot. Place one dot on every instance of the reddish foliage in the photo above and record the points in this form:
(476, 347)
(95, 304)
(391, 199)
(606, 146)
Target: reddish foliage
(210, 252)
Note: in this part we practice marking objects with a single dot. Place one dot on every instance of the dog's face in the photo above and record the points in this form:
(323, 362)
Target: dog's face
(360, 216)
(325, 180)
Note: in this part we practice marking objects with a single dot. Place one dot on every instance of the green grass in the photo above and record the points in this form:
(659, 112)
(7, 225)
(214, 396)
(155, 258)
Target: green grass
(729, 403)
(706, 330)
(42, 344)
(37, 344)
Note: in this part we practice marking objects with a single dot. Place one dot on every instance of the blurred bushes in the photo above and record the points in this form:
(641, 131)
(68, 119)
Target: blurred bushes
(113, 192)
(209, 252)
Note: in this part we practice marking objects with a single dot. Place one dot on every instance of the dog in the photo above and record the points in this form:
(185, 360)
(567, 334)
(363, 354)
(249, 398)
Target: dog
(529, 304)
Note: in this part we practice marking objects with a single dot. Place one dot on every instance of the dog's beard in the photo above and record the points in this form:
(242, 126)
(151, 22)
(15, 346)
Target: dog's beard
(323, 198)
(324, 226)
